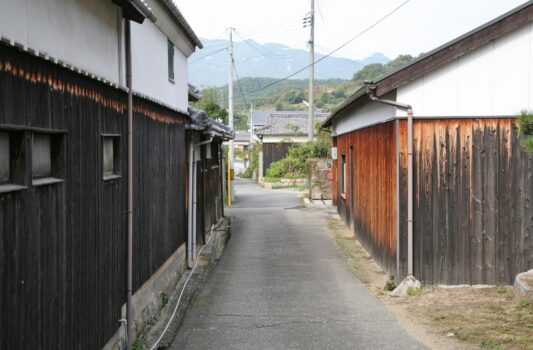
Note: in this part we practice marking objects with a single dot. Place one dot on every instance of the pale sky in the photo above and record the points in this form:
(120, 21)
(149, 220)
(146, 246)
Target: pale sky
(419, 26)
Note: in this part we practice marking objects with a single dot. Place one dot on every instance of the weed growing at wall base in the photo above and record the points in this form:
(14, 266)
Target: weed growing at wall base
(525, 124)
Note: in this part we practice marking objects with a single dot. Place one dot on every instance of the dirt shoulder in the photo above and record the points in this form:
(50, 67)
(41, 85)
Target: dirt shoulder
(443, 317)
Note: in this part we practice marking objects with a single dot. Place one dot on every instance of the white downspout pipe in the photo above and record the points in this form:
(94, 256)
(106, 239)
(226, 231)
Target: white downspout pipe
(409, 109)
(191, 236)
(190, 257)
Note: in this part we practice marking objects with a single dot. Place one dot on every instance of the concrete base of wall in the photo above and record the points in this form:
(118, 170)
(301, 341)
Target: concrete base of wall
(169, 278)
(148, 300)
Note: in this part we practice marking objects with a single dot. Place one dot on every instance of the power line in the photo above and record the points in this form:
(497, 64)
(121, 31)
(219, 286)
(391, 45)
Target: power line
(273, 28)
(337, 49)
(260, 50)
(239, 82)
(197, 59)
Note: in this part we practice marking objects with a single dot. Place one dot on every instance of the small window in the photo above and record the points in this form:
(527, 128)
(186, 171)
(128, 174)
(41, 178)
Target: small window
(42, 160)
(12, 160)
(5, 158)
(47, 158)
(111, 157)
(170, 61)
(343, 175)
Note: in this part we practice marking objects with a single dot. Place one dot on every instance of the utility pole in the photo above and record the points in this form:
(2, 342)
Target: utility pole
(311, 21)
(251, 123)
(231, 191)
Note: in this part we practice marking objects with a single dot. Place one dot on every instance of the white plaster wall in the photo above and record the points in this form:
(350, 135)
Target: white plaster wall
(369, 114)
(58, 26)
(150, 66)
(493, 80)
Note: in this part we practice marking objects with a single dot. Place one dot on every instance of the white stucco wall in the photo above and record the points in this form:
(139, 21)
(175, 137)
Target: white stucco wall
(360, 117)
(58, 26)
(88, 35)
(493, 80)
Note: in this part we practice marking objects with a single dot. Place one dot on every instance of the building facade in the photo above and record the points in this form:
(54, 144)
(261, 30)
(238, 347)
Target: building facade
(64, 174)
(471, 177)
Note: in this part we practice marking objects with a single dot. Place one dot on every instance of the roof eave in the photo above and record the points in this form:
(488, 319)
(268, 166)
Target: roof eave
(386, 83)
(183, 23)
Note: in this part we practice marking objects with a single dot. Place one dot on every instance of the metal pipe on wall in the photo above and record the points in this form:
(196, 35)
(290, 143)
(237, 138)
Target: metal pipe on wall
(129, 305)
(409, 109)
(191, 236)
(190, 259)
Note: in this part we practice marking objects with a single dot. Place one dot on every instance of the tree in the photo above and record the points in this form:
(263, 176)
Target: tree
(370, 72)
(210, 103)
(399, 61)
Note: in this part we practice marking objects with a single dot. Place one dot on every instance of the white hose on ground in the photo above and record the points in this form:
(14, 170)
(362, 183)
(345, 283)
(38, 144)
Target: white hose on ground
(182, 290)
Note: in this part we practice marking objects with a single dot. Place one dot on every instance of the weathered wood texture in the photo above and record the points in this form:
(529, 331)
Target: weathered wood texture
(373, 175)
(272, 152)
(63, 246)
(473, 214)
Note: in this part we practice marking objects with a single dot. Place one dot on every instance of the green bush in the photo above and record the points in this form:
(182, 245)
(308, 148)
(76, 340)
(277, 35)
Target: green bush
(525, 124)
(295, 163)
(275, 169)
(253, 155)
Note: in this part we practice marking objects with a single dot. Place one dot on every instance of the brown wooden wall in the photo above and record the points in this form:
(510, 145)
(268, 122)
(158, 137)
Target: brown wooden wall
(272, 152)
(373, 206)
(473, 205)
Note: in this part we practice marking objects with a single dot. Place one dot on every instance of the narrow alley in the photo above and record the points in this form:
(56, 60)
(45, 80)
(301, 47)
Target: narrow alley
(283, 284)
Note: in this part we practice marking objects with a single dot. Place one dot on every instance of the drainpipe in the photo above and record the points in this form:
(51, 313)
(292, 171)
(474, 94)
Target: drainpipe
(129, 305)
(190, 259)
(409, 109)
(191, 237)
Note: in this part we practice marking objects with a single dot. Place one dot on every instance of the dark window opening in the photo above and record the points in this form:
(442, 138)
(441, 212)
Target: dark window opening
(12, 160)
(5, 158)
(47, 158)
(170, 61)
(215, 155)
(343, 174)
(111, 157)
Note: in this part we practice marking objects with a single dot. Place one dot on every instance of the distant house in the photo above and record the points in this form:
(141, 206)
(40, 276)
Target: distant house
(278, 130)
(64, 168)
(472, 188)
(242, 140)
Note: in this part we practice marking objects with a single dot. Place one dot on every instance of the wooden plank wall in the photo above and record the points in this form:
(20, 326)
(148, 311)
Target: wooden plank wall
(374, 180)
(473, 214)
(62, 246)
(272, 152)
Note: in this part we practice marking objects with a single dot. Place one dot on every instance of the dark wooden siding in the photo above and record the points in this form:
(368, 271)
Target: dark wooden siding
(373, 206)
(479, 203)
(473, 214)
(62, 246)
(272, 152)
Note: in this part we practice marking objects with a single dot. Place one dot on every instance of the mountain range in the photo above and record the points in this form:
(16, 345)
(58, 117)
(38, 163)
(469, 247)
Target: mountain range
(208, 67)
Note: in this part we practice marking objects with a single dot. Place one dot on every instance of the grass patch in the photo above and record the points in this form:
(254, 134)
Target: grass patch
(164, 299)
(348, 250)
(488, 318)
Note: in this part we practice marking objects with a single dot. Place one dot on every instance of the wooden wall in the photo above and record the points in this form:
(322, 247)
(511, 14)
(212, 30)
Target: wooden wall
(63, 246)
(473, 205)
(272, 152)
(373, 175)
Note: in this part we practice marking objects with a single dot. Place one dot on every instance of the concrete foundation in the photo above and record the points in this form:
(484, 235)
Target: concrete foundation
(523, 285)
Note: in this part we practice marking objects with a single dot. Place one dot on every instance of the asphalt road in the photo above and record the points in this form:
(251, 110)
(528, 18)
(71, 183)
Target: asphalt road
(283, 284)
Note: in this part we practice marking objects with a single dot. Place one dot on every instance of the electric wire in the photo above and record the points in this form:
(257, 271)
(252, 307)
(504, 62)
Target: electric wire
(239, 82)
(260, 50)
(208, 54)
(337, 49)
